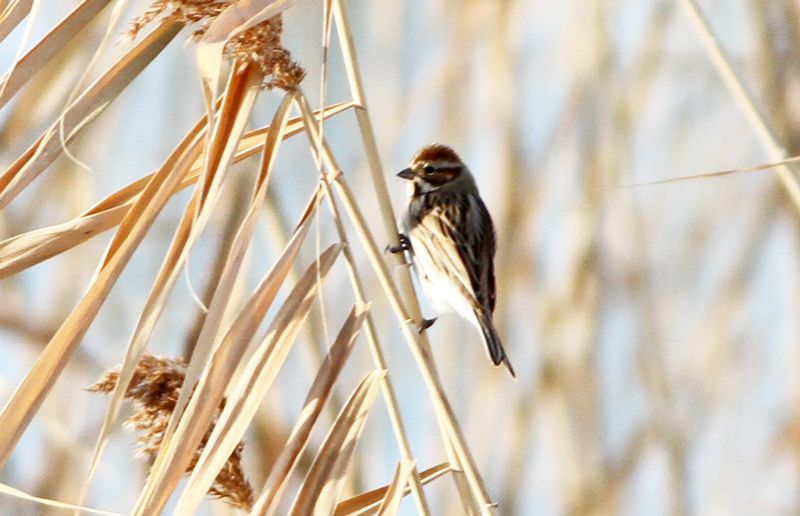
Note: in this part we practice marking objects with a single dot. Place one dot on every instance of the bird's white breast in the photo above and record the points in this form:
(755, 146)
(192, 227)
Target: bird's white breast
(441, 290)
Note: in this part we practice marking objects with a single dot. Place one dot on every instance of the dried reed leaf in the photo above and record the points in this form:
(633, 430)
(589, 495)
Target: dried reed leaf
(323, 484)
(223, 364)
(13, 12)
(319, 393)
(241, 242)
(209, 333)
(242, 89)
(22, 251)
(42, 153)
(368, 503)
(21, 495)
(40, 379)
(220, 369)
(47, 47)
(257, 375)
(233, 115)
(391, 501)
(133, 355)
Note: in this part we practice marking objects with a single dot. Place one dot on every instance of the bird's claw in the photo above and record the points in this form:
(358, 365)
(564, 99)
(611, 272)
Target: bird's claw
(404, 245)
(426, 323)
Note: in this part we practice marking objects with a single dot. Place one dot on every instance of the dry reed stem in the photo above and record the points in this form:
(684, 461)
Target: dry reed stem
(93, 100)
(744, 99)
(154, 390)
(377, 354)
(451, 431)
(47, 48)
(371, 331)
(387, 214)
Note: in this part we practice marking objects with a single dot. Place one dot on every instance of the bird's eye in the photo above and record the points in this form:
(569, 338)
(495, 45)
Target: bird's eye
(428, 169)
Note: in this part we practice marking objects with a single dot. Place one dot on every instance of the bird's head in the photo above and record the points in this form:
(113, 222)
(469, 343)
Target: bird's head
(437, 167)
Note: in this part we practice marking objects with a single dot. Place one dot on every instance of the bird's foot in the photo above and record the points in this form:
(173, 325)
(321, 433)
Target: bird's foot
(404, 245)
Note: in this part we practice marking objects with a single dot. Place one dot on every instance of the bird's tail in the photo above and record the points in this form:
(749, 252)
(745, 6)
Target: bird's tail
(493, 343)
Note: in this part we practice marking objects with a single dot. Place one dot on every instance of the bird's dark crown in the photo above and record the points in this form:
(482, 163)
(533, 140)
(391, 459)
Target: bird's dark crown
(437, 154)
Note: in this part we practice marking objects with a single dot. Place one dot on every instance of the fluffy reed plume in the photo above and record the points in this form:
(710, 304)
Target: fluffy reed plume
(154, 391)
(260, 45)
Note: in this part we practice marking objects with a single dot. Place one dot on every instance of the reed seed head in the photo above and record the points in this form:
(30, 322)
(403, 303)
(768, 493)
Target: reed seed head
(154, 390)
(258, 46)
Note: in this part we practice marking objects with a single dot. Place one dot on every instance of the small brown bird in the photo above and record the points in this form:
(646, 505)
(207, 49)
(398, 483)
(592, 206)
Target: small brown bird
(451, 239)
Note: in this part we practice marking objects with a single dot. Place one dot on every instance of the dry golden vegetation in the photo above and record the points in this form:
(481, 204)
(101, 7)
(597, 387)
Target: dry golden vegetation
(193, 212)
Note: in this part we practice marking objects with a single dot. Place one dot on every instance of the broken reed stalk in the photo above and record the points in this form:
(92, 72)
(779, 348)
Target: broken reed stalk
(744, 99)
(451, 432)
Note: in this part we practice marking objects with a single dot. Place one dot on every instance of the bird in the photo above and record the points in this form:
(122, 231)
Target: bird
(450, 237)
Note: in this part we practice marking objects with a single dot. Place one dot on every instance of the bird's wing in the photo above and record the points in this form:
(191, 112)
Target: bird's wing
(457, 237)
(479, 246)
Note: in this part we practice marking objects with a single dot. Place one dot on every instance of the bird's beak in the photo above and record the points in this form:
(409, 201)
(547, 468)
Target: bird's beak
(407, 174)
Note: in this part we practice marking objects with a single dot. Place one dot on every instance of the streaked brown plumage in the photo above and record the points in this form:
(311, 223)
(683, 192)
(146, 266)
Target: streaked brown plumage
(450, 235)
